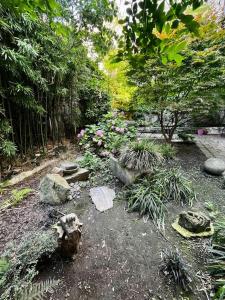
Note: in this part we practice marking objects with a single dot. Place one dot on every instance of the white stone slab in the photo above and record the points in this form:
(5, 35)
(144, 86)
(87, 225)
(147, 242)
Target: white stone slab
(102, 197)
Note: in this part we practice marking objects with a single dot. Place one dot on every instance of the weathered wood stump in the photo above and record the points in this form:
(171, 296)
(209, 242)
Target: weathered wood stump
(69, 235)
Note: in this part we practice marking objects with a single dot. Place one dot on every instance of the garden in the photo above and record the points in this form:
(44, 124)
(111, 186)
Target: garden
(112, 150)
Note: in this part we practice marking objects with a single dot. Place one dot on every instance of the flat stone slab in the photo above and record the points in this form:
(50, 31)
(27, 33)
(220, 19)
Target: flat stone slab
(214, 166)
(102, 197)
(80, 175)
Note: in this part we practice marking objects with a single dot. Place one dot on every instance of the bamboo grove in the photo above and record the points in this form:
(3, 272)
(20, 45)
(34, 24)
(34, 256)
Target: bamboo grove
(48, 83)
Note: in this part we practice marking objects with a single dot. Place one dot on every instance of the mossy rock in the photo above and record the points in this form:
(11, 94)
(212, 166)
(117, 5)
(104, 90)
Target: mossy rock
(188, 234)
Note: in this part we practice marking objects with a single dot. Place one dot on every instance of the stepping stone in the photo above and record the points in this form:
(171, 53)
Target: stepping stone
(214, 166)
(69, 168)
(68, 165)
(80, 175)
(102, 197)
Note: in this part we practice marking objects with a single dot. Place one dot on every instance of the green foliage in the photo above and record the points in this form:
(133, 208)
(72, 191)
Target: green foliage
(143, 155)
(7, 147)
(167, 151)
(216, 264)
(109, 134)
(95, 103)
(176, 269)
(118, 83)
(91, 161)
(174, 186)
(21, 270)
(148, 20)
(144, 199)
(150, 195)
(49, 85)
(186, 137)
(176, 92)
(16, 198)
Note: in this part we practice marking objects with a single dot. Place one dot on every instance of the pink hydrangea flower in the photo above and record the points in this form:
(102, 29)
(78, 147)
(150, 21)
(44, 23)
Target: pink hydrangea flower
(99, 133)
(99, 143)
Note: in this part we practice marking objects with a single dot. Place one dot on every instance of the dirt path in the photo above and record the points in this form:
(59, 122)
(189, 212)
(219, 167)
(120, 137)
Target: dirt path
(120, 255)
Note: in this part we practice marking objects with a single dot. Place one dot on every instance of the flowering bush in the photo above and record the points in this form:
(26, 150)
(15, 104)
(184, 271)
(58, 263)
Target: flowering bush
(109, 134)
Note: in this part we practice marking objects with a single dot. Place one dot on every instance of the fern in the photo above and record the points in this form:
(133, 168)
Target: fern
(36, 291)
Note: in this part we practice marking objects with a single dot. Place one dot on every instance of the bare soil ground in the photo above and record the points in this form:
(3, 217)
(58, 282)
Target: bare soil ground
(120, 254)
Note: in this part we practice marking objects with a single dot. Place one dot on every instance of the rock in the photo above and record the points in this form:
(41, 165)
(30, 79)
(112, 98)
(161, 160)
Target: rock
(80, 175)
(69, 168)
(193, 224)
(123, 174)
(102, 197)
(214, 166)
(194, 221)
(69, 234)
(53, 189)
(57, 170)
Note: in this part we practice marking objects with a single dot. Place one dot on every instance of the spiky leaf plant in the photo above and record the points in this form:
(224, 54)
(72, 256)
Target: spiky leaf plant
(174, 186)
(176, 269)
(143, 155)
(167, 151)
(142, 198)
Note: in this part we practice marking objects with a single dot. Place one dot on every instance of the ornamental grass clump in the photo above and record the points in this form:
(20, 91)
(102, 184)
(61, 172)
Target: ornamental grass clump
(145, 200)
(167, 151)
(174, 186)
(149, 195)
(174, 267)
(141, 155)
(216, 263)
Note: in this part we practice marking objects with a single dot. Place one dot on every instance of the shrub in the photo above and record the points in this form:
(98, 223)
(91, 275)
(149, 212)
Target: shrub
(109, 134)
(20, 264)
(174, 267)
(91, 161)
(142, 155)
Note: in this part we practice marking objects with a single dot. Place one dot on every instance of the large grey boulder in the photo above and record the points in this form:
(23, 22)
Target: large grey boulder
(214, 166)
(53, 189)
